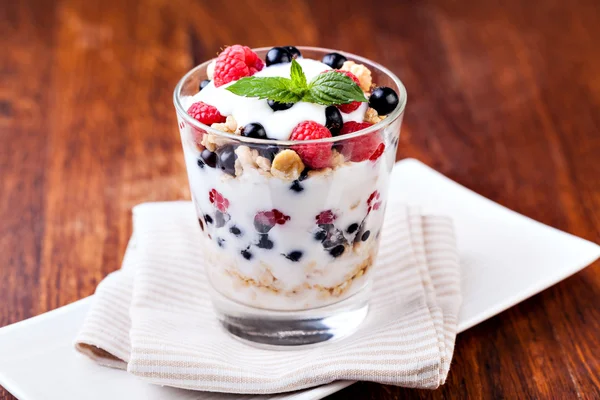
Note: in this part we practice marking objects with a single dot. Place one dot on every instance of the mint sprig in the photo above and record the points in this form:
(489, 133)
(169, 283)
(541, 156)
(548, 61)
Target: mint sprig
(326, 89)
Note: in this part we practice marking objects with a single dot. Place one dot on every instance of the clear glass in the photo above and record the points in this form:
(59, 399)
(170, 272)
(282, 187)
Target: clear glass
(289, 252)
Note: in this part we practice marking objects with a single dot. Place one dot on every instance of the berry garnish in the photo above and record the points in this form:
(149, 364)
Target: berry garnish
(334, 121)
(236, 62)
(295, 255)
(373, 202)
(365, 236)
(226, 159)
(337, 251)
(254, 130)
(203, 84)
(334, 60)
(268, 152)
(384, 100)
(293, 51)
(235, 230)
(325, 217)
(209, 158)
(320, 234)
(264, 242)
(278, 55)
(352, 228)
(246, 254)
(348, 108)
(265, 220)
(208, 219)
(205, 113)
(296, 186)
(277, 106)
(218, 200)
(366, 147)
(314, 155)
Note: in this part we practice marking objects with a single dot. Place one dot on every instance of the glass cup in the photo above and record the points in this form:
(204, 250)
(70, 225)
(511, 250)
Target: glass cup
(289, 250)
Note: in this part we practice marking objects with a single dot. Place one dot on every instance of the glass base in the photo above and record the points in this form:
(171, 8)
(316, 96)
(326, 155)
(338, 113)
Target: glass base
(290, 329)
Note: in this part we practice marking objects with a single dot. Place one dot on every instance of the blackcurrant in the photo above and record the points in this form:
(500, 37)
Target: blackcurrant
(208, 157)
(333, 120)
(254, 130)
(334, 60)
(226, 160)
(278, 55)
(384, 100)
(293, 51)
(277, 106)
(204, 83)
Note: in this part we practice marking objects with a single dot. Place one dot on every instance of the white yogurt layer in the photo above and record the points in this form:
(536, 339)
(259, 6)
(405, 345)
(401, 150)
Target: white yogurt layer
(277, 124)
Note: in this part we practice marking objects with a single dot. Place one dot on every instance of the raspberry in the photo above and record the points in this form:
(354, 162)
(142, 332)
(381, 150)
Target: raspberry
(366, 147)
(325, 217)
(218, 200)
(205, 113)
(236, 62)
(265, 220)
(373, 202)
(313, 155)
(348, 108)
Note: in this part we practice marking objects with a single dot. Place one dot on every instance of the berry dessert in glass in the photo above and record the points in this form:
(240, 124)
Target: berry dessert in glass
(289, 152)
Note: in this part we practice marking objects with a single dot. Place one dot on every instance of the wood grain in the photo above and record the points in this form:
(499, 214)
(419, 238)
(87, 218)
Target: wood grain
(504, 98)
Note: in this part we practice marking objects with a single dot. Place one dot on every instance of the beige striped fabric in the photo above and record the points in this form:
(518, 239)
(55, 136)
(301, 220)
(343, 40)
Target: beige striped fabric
(154, 317)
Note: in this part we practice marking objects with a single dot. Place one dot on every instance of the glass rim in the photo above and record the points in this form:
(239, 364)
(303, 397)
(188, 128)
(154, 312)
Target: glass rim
(397, 112)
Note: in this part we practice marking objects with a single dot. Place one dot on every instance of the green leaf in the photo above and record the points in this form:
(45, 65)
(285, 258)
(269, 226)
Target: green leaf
(334, 88)
(297, 75)
(278, 89)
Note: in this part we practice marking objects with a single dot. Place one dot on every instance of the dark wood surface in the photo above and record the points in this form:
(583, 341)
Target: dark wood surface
(504, 98)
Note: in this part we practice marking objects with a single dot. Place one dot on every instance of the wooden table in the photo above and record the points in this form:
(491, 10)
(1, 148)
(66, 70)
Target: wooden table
(504, 97)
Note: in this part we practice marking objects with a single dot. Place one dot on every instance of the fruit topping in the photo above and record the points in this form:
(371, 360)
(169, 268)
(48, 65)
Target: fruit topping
(278, 55)
(313, 155)
(264, 242)
(352, 228)
(254, 130)
(226, 159)
(365, 236)
(236, 62)
(264, 221)
(277, 106)
(334, 121)
(384, 100)
(293, 51)
(334, 60)
(203, 84)
(208, 219)
(366, 147)
(373, 202)
(246, 254)
(337, 251)
(205, 113)
(209, 158)
(235, 231)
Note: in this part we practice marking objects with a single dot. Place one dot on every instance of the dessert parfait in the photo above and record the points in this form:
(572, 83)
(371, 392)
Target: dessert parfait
(288, 152)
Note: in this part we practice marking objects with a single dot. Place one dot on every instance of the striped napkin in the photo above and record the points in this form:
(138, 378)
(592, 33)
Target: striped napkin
(154, 318)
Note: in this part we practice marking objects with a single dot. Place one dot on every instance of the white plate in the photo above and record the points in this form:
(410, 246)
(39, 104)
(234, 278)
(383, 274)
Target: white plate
(505, 257)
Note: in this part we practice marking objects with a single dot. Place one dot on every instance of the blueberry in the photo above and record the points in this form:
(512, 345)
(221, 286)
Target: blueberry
(204, 84)
(246, 254)
(226, 159)
(293, 51)
(294, 255)
(365, 236)
(320, 235)
(278, 55)
(208, 219)
(201, 223)
(235, 230)
(334, 121)
(264, 242)
(200, 163)
(384, 100)
(254, 130)
(221, 219)
(208, 157)
(221, 242)
(334, 60)
(277, 106)
(337, 251)
(268, 152)
(352, 228)
(296, 186)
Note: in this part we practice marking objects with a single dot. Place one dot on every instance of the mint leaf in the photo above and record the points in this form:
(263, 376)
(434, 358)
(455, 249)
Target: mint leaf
(278, 89)
(333, 88)
(297, 75)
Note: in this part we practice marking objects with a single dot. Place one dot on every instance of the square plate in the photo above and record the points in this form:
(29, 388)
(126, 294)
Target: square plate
(502, 266)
